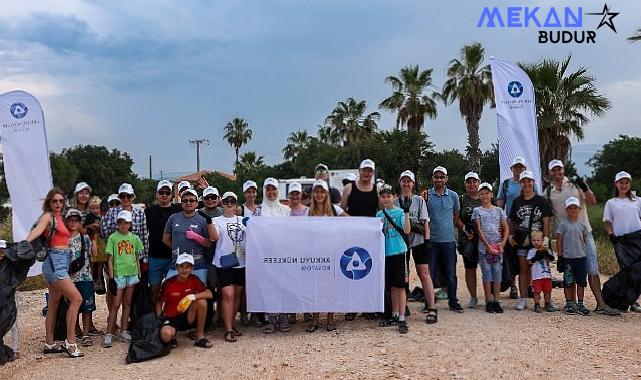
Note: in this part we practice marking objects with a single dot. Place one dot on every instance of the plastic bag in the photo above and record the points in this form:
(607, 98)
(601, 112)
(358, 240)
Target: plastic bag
(145, 340)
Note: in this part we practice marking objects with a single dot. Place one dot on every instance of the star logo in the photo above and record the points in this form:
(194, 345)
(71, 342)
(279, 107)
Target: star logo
(607, 18)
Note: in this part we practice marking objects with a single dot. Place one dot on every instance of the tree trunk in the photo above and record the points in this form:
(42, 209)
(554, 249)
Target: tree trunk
(473, 142)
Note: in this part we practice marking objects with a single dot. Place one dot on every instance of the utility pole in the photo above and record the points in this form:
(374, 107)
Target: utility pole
(149, 167)
(197, 143)
(161, 177)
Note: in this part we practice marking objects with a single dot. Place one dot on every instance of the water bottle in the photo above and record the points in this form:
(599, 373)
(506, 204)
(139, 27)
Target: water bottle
(46, 308)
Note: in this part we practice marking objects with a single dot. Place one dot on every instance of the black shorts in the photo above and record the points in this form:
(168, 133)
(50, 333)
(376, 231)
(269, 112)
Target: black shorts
(395, 271)
(576, 270)
(180, 322)
(230, 276)
(420, 255)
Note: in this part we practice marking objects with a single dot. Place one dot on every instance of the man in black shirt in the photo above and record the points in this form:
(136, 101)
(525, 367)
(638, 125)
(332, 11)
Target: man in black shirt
(159, 253)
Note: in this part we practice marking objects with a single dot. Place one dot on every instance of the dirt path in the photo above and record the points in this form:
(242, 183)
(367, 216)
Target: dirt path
(469, 345)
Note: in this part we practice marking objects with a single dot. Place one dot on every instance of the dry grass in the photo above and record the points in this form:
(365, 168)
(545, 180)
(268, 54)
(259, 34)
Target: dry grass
(607, 261)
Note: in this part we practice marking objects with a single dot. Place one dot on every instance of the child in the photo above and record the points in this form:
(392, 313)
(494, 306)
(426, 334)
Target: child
(571, 238)
(396, 273)
(80, 270)
(539, 258)
(123, 249)
(493, 231)
(92, 225)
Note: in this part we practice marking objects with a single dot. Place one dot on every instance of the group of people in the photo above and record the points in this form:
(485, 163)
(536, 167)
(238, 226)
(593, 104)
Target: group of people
(191, 252)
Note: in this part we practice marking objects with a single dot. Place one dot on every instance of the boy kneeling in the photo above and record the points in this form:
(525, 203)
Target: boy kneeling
(183, 303)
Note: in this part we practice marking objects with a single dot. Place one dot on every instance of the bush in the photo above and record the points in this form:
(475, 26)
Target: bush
(607, 261)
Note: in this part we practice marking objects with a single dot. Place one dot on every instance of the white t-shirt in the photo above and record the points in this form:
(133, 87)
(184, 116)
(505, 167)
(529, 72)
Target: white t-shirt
(228, 229)
(541, 268)
(624, 214)
(339, 210)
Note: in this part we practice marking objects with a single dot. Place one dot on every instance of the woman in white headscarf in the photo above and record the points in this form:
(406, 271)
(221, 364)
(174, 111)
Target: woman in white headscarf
(272, 207)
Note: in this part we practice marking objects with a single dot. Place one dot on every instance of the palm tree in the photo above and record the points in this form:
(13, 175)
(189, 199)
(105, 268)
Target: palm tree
(349, 122)
(237, 134)
(408, 100)
(563, 102)
(328, 135)
(296, 142)
(636, 37)
(250, 161)
(471, 83)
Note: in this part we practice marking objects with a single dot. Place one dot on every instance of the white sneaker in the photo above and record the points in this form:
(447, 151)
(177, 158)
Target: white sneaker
(473, 302)
(106, 340)
(125, 337)
(521, 304)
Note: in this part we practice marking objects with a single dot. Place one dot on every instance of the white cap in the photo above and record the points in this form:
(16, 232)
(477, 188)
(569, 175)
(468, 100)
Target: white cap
(486, 186)
(572, 201)
(126, 188)
(321, 166)
(270, 181)
(439, 169)
(209, 190)
(185, 258)
(183, 184)
(3, 244)
(320, 183)
(526, 174)
(351, 177)
(248, 185)
(73, 212)
(518, 161)
(472, 175)
(554, 163)
(367, 163)
(189, 191)
(621, 175)
(295, 186)
(82, 186)
(113, 197)
(386, 188)
(163, 183)
(124, 215)
(230, 194)
(408, 174)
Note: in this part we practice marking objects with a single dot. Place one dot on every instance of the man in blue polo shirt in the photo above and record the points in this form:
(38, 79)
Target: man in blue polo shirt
(443, 207)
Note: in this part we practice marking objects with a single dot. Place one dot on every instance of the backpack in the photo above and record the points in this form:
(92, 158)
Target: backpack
(41, 251)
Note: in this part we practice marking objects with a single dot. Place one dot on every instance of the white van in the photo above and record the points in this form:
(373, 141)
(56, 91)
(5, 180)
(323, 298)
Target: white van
(335, 181)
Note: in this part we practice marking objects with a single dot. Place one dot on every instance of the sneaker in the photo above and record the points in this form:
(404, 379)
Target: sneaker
(521, 304)
(607, 310)
(106, 341)
(440, 294)
(581, 309)
(402, 327)
(537, 309)
(530, 291)
(473, 302)
(635, 307)
(489, 307)
(514, 294)
(456, 308)
(125, 336)
(497, 307)
(551, 308)
(569, 309)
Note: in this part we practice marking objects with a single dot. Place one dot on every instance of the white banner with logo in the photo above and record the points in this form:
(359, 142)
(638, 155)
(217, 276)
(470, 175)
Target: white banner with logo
(26, 160)
(516, 118)
(315, 264)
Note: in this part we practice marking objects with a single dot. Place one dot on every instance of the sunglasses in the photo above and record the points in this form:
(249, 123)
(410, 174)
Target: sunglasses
(114, 203)
(73, 219)
(229, 201)
(211, 197)
(164, 193)
(439, 176)
(59, 201)
(125, 195)
(188, 201)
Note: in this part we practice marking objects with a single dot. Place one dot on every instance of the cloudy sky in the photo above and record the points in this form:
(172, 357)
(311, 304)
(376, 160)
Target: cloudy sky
(147, 78)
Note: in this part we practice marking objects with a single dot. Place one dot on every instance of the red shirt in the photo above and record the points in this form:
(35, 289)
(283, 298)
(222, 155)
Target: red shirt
(174, 290)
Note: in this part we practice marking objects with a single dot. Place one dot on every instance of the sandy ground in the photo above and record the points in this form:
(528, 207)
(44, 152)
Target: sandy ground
(475, 344)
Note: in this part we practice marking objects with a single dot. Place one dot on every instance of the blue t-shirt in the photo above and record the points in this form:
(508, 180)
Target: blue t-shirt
(513, 191)
(441, 209)
(177, 225)
(394, 243)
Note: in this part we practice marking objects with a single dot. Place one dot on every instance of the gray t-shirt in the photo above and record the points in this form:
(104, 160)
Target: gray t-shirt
(490, 220)
(418, 213)
(574, 237)
(177, 225)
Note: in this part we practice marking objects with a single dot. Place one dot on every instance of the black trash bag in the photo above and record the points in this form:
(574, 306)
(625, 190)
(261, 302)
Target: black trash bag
(13, 271)
(416, 295)
(145, 340)
(624, 288)
(140, 300)
(510, 267)
(60, 328)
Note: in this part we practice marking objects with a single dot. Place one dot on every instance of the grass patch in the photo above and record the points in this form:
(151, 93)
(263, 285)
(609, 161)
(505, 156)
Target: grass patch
(33, 283)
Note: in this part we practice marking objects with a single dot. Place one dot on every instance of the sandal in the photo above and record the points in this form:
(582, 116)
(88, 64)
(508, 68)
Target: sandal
(236, 331)
(402, 327)
(72, 350)
(86, 341)
(432, 316)
(230, 337)
(270, 328)
(203, 342)
(311, 327)
(53, 349)
(173, 343)
(193, 335)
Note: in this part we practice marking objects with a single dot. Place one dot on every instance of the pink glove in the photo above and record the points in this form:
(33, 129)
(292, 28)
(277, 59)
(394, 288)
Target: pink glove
(191, 235)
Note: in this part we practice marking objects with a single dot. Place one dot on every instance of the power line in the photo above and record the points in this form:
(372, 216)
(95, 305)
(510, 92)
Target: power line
(197, 143)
